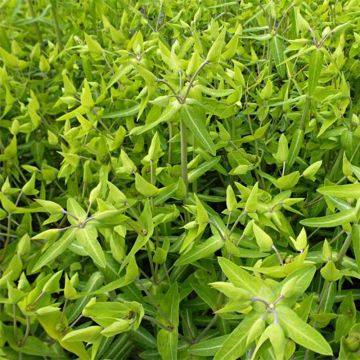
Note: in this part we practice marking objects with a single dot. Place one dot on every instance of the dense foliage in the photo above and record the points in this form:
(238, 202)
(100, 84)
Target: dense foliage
(179, 179)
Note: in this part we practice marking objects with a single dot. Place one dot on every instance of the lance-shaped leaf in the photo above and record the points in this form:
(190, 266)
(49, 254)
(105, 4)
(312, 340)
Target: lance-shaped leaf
(201, 251)
(235, 345)
(202, 169)
(55, 250)
(144, 187)
(302, 333)
(263, 240)
(94, 282)
(106, 313)
(208, 347)
(215, 49)
(356, 243)
(341, 191)
(167, 115)
(87, 238)
(167, 340)
(340, 218)
(122, 113)
(88, 334)
(240, 277)
(275, 334)
(194, 118)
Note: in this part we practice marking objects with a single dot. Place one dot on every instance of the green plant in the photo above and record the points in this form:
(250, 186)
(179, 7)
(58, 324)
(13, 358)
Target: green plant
(179, 180)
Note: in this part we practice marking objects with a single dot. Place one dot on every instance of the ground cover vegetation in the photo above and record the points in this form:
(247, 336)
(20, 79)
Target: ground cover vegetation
(179, 179)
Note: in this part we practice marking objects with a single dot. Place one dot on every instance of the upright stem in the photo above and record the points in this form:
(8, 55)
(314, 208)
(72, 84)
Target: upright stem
(27, 331)
(170, 143)
(56, 22)
(183, 142)
(153, 267)
(278, 254)
(344, 248)
(193, 79)
(36, 26)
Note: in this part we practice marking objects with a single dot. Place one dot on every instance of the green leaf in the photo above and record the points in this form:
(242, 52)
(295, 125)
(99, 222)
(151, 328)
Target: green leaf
(240, 277)
(86, 97)
(302, 333)
(340, 218)
(231, 201)
(235, 345)
(315, 66)
(356, 243)
(144, 187)
(216, 48)
(255, 331)
(288, 181)
(87, 238)
(329, 272)
(93, 283)
(89, 334)
(194, 121)
(55, 250)
(167, 343)
(122, 113)
(52, 285)
(93, 46)
(303, 277)
(251, 202)
(201, 251)
(167, 340)
(75, 209)
(208, 347)
(50, 206)
(200, 170)
(231, 291)
(263, 240)
(167, 114)
(341, 191)
(311, 170)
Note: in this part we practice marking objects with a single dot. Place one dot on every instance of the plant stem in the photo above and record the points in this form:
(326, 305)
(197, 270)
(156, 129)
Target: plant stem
(278, 255)
(76, 321)
(180, 100)
(151, 263)
(14, 320)
(170, 143)
(324, 292)
(36, 26)
(8, 235)
(236, 222)
(193, 79)
(27, 331)
(344, 248)
(208, 327)
(183, 142)
(56, 22)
